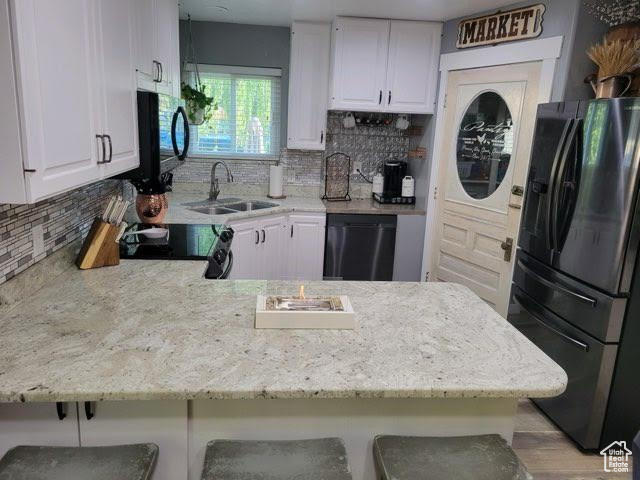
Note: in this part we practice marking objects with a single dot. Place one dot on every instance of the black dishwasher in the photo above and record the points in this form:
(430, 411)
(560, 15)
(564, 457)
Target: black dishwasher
(360, 247)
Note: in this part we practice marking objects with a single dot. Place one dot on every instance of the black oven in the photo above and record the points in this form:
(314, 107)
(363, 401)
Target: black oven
(163, 135)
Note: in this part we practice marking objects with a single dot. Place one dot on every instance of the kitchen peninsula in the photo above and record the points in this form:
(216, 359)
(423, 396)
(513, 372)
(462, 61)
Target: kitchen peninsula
(161, 354)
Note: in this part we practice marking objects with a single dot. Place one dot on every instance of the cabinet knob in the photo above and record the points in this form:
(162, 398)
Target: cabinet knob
(380, 98)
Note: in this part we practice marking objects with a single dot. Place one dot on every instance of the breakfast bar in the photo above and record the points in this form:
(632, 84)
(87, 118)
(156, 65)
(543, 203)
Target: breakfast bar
(161, 354)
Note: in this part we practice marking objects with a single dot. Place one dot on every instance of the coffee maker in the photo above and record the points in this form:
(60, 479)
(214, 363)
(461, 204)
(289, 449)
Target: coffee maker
(394, 172)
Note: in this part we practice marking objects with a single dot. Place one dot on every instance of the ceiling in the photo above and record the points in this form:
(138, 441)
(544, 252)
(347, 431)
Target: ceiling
(282, 12)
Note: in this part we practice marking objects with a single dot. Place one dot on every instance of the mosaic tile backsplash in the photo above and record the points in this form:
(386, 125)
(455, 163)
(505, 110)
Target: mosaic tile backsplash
(369, 145)
(64, 219)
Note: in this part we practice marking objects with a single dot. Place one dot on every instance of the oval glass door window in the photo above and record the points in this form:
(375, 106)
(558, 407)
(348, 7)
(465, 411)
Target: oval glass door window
(485, 143)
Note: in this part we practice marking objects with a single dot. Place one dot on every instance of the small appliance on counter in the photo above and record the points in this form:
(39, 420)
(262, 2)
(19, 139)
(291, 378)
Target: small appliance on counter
(178, 241)
(395, 172)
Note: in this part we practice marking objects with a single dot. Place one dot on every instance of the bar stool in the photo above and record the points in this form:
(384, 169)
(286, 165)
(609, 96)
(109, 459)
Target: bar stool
(480, 457)
(316, 459)
(118, 462)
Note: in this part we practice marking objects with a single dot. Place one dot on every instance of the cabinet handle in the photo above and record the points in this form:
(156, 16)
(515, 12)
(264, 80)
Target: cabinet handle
(389, 102)
(104, 149)
(88, 410)
(257, 237)
(61, 410)
(110, 149)
(380, 98)
(321, 136)
(161, 72)
(291, 231)
(264, 236)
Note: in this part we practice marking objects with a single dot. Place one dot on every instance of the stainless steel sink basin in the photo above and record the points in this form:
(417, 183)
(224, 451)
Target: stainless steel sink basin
(227, 206)
(249, 206)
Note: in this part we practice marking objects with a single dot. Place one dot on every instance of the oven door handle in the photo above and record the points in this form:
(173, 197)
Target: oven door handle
(185, 125)
(227, 271)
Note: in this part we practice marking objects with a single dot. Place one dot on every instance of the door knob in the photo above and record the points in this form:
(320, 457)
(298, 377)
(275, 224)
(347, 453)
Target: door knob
(507, 246)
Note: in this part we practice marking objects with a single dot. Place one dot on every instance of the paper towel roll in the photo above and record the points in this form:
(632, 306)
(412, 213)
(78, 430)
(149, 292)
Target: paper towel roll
(275, 180)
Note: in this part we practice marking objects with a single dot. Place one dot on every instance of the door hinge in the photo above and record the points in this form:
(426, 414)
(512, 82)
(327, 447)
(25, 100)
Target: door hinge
(445, 101)
(435, 193)
(507, 246)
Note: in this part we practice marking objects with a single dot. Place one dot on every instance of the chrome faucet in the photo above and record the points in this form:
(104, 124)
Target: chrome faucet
(214, 189)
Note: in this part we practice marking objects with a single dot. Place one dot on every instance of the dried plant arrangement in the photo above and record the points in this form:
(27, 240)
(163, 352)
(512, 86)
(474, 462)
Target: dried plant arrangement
(615, 58)
(615, 12)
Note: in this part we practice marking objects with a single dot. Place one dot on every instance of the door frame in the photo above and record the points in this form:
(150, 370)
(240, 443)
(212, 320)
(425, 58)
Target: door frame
(546, 50)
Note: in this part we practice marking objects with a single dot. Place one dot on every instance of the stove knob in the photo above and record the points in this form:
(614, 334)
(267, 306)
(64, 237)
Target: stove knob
(220, 256)
(226, 236)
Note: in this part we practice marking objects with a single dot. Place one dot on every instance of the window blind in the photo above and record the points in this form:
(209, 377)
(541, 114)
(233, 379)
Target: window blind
(246, 123)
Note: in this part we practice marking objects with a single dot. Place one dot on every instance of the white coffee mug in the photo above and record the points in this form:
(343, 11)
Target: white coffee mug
(348, 121)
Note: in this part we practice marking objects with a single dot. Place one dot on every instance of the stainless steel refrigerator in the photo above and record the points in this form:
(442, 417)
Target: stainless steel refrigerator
(576, 283)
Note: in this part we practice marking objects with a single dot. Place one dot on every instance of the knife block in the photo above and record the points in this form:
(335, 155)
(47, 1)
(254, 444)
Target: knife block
(100, 247)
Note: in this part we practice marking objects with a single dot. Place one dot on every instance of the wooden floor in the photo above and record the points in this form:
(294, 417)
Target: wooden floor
(549, 454)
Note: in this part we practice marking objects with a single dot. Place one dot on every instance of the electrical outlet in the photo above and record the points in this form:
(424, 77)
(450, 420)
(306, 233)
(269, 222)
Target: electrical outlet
(37, 236)
(356, 166)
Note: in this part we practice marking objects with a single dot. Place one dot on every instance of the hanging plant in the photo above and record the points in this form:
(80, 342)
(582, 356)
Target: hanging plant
(198, 103)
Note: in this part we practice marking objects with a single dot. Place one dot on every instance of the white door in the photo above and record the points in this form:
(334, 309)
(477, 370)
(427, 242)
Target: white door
(118, 80)
(57, 67)
(489, 121)
(412, 69)
(359, 64)
(272, 253)
(305, 249)
(161, 422)
(246, 251)
(37, 424)
(145, 21)
(308, 85)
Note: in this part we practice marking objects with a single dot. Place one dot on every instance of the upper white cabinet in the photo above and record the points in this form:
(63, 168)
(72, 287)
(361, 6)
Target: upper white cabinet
(157, 55)
(384, 65)
(308, 85)
(69, 84)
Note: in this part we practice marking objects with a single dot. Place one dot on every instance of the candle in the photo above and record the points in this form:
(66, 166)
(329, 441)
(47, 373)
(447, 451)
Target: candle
(301, 296)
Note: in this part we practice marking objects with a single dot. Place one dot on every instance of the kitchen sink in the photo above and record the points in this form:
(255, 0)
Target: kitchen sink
(227, 206)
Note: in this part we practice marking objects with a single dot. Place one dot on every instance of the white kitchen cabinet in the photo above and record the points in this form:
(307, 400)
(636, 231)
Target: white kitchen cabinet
(37, 424)
(71, 79)
(384, 66)
(305, 250)
(164, 423)
(414, 48)
(358, 64)
(308, 85)
(272, 247)
(246, 251)
(157, 55)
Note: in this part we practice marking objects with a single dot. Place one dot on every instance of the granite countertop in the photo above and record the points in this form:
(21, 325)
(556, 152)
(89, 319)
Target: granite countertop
(159, 330)
(180, 213)
(370, 207)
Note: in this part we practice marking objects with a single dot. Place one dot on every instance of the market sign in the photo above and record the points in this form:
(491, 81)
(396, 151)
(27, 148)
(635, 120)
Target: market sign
(500, 27)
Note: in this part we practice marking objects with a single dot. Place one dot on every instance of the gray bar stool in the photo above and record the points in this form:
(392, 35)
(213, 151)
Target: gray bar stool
(118, 462)
(480, 457)
(317, 459)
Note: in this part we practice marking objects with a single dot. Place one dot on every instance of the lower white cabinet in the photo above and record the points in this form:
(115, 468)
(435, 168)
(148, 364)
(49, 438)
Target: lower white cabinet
(38, 424)
(279, 247)
(161, 422)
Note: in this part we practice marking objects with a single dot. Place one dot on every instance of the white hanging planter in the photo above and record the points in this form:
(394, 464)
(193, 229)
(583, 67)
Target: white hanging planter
(195, 115)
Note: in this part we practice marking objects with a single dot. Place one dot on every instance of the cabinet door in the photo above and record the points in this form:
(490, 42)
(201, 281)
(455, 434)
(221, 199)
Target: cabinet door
(166, 17)
(306, 246)
(161, 422)
(55, 54)
(359, 64)
(118, 81)
(308, 85)
(37, 424)
(414, 49)
(246, 251)
(272, 251)
(145, 41)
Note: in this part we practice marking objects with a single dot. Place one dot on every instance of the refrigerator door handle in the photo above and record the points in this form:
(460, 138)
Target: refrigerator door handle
(555, 286)
(554, 234)
(575, 342)
(552, 182)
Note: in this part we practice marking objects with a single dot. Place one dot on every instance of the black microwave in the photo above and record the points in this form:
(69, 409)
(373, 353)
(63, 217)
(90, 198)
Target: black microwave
(163, 135)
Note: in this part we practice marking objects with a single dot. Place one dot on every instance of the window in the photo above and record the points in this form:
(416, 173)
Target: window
(247, 121)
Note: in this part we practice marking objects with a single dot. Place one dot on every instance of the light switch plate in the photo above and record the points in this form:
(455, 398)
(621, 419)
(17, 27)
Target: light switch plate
(37, 235)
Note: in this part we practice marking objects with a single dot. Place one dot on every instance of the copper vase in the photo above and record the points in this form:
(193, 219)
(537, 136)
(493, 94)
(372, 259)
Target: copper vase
(152, 208)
